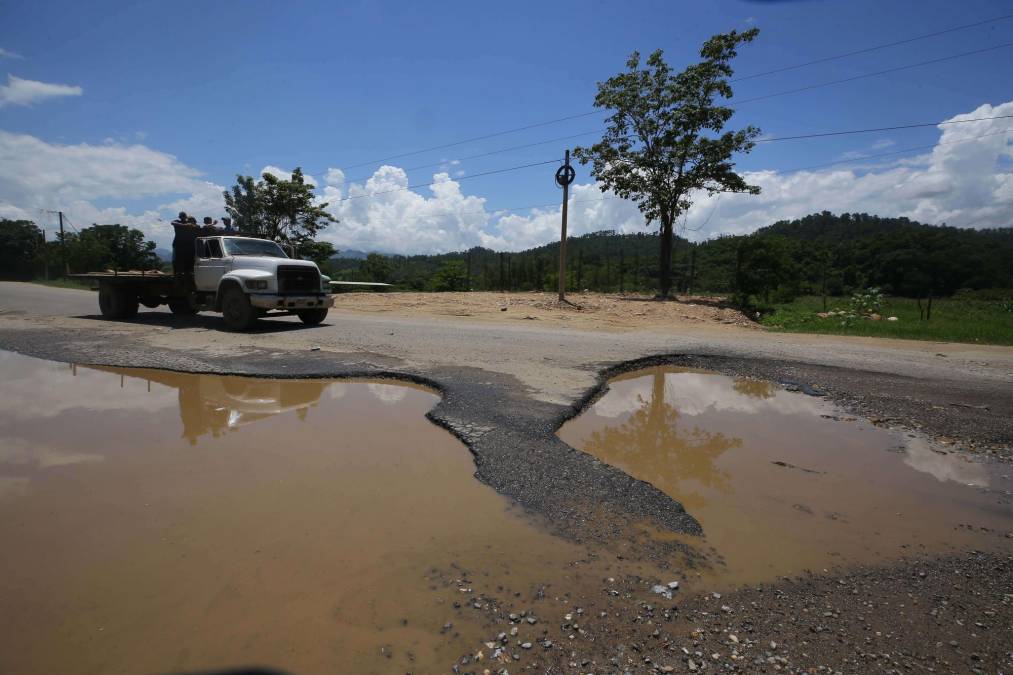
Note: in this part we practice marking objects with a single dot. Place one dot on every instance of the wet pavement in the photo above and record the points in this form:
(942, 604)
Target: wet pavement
(782, 482)
(161, 522)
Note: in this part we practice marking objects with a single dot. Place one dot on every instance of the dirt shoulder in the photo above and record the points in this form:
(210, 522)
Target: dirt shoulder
(595, 311)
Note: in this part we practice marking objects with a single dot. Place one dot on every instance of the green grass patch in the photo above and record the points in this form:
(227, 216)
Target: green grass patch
(982, 318)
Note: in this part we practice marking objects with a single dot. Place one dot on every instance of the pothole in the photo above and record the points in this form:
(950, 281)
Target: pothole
(783, 482)
(162, 522)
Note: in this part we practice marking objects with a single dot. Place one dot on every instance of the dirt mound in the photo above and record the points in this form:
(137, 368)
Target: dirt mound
(584, 310)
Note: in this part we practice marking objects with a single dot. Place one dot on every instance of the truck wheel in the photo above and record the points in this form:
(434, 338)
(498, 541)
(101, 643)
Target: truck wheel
(181, 307)
(312, 317)
(116, 302)
(237, 311)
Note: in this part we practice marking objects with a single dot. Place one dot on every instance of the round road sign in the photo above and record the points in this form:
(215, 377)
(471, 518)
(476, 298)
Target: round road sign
(565, 175)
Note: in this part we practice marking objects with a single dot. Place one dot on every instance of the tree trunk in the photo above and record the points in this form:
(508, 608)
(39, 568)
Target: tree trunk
(928, 311)
(665, 264)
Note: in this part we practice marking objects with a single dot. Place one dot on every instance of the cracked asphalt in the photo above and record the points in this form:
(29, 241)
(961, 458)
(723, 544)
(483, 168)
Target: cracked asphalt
(507, 389)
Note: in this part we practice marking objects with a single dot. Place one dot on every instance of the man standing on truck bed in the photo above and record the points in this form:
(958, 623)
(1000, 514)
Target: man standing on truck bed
(186, 233)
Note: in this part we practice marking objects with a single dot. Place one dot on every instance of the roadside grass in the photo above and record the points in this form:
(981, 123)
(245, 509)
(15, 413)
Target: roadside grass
(956, 319)
(63, 283)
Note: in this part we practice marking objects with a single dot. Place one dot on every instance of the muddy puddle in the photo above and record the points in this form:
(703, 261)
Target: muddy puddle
(783, 482)
(154, 522)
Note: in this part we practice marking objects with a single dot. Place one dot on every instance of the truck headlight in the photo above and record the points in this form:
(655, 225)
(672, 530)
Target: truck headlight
(256, 284)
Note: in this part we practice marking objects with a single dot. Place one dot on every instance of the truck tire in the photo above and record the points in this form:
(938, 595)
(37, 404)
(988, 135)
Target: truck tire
(181, 307)
(312, 317)
(117, 302)
(237, 311)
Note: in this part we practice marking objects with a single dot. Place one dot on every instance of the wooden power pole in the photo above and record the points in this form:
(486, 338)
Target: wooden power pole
(564, 176)
(63, 246)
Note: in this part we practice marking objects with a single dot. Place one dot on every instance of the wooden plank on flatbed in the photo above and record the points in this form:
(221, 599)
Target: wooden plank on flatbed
(339, 286)
(121, 275)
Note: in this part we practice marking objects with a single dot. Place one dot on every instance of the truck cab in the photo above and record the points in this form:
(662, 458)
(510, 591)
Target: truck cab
(244, 278)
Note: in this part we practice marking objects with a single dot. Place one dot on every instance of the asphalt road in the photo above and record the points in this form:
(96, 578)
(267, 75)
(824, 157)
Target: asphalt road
(507, 388)
(555, 365)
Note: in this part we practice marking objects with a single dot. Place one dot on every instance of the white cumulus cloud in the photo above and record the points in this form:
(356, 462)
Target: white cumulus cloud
(966, 180)
(35, 174)
(19, 91)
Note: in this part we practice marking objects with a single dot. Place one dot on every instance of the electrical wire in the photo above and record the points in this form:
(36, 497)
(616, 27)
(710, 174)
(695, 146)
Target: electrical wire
(761, 140)
(514, 209)
(824, 134)
(491, 152)
(874, 74)
(474, 138)
(866, 50)
(757, 98)
(420, 185)
(898, 152)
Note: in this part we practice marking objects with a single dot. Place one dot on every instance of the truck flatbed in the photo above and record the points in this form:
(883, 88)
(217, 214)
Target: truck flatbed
(132, 274)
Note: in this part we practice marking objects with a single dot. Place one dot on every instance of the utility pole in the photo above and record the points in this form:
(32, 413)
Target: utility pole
(45, 257)
(564, 176)
(63, 246)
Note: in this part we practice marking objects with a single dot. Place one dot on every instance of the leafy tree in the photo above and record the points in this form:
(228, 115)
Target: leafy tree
(376, 268)
(117, 246)
(762, 265)
(20, 248)
(664, 140)
(846, 252)
(452, 276)
(317, 251)
(273, 208)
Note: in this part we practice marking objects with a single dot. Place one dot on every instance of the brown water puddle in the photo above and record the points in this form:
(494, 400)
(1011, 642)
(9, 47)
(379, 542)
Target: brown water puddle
(779, 485)
(155, 522)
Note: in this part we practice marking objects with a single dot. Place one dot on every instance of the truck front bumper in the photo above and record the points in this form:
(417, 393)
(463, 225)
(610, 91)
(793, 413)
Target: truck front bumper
(265, 301)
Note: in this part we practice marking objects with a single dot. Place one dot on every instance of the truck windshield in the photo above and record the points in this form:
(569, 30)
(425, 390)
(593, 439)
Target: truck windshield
(259, 247)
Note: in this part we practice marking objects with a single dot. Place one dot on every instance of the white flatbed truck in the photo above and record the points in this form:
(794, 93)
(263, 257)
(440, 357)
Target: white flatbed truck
(242, 277)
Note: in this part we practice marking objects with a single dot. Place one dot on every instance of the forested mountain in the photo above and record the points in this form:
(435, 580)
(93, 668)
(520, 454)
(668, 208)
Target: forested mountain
(824, 251)
(598, 261)
(819, 253)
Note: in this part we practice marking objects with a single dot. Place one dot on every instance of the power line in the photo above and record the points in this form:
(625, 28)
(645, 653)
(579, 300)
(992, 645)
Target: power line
(757, 98)
(514, 209)
(875, 129)
(67, 220)
(474, 175)
(898, 152)
(490, 152)
(878, 72)
(768, 140)
(473, 139)
(762, 140)
(872, 49)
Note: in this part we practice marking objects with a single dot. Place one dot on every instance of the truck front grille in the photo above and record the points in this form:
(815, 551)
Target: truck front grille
(298, 280)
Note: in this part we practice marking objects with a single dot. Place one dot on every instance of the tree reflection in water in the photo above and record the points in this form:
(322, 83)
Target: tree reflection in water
(655, 445)
(754, 388)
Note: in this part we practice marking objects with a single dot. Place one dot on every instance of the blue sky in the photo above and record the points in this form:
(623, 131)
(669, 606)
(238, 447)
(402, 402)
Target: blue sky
(229, 87)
